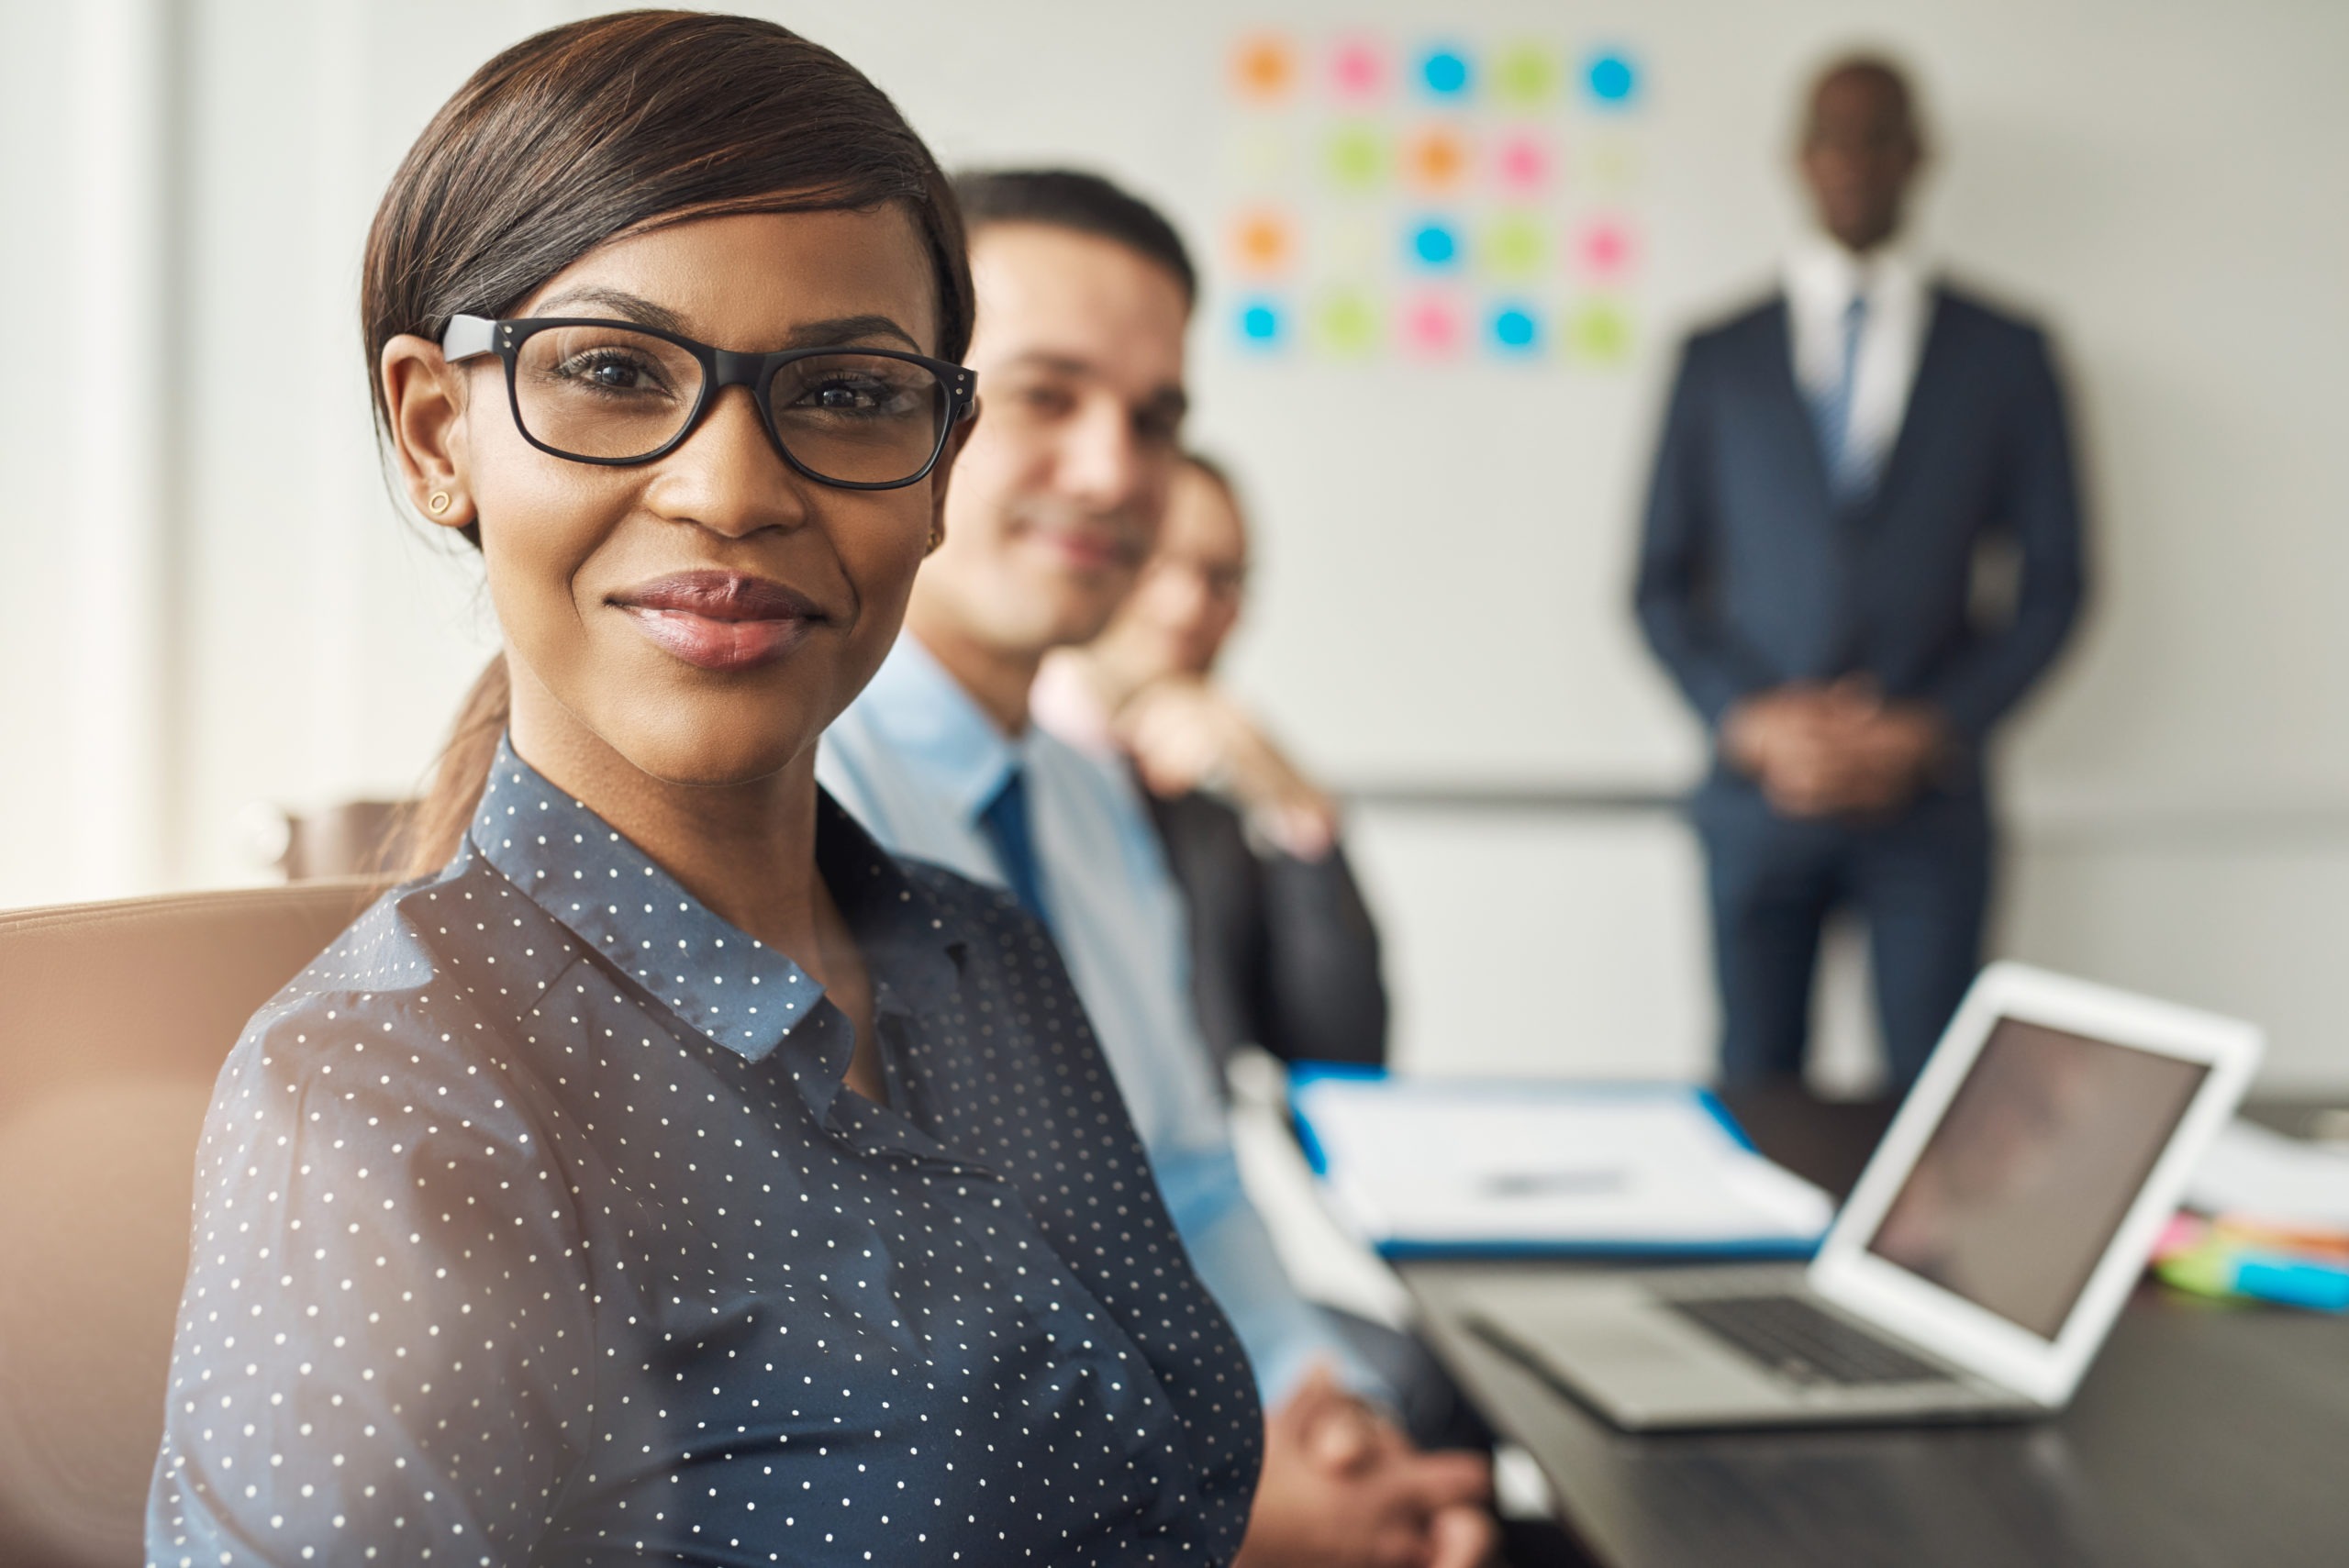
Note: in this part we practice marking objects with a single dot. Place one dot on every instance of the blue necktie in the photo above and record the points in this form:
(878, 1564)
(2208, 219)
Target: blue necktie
(1848, 470)
(1006, 820)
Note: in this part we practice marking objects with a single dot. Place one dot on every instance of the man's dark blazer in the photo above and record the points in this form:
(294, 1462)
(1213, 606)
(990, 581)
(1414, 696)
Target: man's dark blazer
(1751, 575)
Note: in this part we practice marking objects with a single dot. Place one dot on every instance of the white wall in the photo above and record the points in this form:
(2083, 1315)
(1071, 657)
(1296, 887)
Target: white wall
(1445, 555)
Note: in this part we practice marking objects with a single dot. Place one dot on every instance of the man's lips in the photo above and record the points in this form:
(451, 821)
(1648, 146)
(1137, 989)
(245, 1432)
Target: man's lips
(720, 620)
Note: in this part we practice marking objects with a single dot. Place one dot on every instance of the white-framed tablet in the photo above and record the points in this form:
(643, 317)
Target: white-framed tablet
(2012, 1203)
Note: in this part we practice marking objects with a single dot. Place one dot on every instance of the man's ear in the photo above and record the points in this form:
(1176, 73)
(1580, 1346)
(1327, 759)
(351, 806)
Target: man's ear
(425, 396)
(944, 471)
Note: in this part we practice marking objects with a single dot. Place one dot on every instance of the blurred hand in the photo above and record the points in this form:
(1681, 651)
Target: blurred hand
(1343, 1488)
(1835, 750)
(1185, 734)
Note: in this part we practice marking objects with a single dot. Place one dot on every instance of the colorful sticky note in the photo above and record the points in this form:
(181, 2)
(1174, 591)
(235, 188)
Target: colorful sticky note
(1515, 329)
(1430, 325)
(1263, 243)
(1604, 248)
(1436, 158)
(1612, 77)
(1445, 71)
(1346, 323)
(1435, 243)
(1263, 68)
(1514, 245)
(1599, 331)
(1357, 70)
(1521, 161)
(1525, 74)
(1261, 324)
(1356, 157)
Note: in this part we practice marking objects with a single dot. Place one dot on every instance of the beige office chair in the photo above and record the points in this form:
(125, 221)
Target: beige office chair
(113, 1021)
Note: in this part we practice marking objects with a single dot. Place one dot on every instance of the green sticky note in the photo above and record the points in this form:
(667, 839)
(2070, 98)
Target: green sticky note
(1514, 246)
(1524, 75)
(1346, 323)
(1600, 332)
(1357, 157)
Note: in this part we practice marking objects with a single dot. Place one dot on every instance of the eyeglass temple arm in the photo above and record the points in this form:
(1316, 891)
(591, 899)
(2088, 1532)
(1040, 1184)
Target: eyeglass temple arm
(467, 336)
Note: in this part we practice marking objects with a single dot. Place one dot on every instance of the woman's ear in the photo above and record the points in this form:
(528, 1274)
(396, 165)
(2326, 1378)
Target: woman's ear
(425, 396)
(944, 471)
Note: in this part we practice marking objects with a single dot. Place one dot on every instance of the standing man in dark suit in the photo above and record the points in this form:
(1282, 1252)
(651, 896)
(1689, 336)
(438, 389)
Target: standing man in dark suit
(1863, 546)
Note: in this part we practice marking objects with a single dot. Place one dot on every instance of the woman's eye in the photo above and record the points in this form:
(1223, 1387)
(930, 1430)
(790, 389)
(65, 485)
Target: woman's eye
(610, 371)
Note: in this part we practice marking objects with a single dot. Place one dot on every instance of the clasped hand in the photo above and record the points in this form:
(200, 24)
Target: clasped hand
(1835, 750)
(1343, 1487)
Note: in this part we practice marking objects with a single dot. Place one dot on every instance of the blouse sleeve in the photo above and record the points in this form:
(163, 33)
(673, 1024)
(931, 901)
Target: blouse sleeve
(384, 1348)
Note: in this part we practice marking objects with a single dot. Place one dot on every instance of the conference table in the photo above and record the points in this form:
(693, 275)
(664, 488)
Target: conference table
(2206, 1433)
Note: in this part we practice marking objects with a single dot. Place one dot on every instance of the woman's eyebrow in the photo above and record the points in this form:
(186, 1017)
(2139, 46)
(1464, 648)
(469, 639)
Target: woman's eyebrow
(847, 329)
(627, 306)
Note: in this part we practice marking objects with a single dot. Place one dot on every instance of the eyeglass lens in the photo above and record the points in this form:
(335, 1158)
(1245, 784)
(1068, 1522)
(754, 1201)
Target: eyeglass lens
(611, 394)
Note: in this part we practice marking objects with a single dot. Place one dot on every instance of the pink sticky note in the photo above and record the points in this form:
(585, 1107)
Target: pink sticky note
(1606, 248)
(1357, 69)
(1432, 326)
(1523, 161)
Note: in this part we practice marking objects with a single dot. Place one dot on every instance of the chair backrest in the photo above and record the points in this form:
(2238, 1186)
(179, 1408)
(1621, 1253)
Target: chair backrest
(113, 1021)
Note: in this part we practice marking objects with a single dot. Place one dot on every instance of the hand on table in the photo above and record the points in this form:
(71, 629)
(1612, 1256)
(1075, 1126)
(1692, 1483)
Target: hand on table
(1343, 1488)
(1185, 734)
(1835, 750)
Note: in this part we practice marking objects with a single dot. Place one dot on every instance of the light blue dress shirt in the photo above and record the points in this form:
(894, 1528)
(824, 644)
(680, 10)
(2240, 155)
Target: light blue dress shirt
(917, 761)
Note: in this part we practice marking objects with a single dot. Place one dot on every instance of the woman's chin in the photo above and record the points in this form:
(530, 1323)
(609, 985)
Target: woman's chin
(698, 750)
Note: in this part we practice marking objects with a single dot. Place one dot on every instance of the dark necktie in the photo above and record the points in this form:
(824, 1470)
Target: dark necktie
(1006, 820)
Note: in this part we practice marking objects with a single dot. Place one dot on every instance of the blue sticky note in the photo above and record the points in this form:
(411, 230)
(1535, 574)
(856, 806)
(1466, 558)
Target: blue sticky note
(1445, 71)
(1434, 245)
(1612, 78)
(1259, 324)
(1515, 330)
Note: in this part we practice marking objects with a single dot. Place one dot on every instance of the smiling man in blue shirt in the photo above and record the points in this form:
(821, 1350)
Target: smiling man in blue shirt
(1085, 295)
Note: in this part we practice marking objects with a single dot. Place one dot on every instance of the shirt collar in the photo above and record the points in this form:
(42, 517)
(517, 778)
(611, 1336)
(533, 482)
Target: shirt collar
(924, 714)
(721, 982)
(1825, 276)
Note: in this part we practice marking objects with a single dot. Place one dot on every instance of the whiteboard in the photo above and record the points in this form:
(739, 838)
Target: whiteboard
(1446, 556)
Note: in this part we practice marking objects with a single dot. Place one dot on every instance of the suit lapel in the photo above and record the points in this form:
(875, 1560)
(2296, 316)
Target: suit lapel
(1784, 396)
(1928, 390)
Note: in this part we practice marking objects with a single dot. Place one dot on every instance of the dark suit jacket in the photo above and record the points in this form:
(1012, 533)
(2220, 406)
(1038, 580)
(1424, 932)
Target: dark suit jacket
(1751, 575)
(1284, 953)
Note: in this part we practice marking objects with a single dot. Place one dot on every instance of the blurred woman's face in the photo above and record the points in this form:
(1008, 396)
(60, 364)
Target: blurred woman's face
(706, 615)
(1187, 600)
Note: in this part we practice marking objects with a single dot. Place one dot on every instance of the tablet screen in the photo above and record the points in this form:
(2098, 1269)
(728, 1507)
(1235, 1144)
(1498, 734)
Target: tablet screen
(2034, 1165)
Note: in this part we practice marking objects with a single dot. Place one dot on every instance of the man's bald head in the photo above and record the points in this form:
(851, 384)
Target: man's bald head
(1860, 149)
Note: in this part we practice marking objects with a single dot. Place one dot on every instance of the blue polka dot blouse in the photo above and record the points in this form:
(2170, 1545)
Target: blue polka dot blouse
(533, 1223)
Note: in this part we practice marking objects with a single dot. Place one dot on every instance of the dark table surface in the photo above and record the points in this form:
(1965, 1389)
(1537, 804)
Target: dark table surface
(2206, 1433)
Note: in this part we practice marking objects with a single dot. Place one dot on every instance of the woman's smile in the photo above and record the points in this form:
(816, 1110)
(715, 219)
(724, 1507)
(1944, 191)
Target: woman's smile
(720, 620)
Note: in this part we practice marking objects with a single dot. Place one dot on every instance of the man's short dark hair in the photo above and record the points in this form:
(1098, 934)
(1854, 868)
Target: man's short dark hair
(1070, 199)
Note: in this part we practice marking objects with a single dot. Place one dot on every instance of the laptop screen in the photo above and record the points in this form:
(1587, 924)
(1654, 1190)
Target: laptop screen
(2034, 1165)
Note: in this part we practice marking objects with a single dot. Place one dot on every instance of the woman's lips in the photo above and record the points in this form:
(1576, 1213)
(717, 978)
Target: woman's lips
(720, 620)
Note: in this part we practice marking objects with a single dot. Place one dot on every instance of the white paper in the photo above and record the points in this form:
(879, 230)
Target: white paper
(2255, 1172)
(1449, 1162)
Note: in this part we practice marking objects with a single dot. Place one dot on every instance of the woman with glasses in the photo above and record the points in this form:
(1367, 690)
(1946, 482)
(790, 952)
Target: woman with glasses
(670, 1172)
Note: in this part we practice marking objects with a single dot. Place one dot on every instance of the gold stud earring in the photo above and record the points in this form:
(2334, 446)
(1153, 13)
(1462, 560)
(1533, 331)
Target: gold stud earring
(437, 504)
(936, 537)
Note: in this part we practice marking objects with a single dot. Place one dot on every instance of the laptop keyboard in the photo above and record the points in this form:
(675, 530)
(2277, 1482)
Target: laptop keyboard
(1799, 1342)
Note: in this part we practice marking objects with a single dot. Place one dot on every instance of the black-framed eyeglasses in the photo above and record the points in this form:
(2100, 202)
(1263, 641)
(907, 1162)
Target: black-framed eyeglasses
(616, 393)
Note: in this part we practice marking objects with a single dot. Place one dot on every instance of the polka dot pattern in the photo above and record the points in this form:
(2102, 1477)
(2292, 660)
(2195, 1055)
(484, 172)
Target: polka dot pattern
(533, 1223)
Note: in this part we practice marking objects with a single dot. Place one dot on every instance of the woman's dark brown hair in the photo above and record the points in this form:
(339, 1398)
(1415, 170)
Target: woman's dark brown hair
(590, 130)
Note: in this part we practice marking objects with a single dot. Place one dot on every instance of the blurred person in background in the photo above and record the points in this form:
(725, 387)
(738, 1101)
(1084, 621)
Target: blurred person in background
(1084, 299)
(1863, 547)
(1284, 952)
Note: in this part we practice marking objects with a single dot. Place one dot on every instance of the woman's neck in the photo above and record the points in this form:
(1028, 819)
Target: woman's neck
(746, 850)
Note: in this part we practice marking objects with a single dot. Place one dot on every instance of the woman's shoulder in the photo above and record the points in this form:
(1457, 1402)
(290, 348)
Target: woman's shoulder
(431, 978)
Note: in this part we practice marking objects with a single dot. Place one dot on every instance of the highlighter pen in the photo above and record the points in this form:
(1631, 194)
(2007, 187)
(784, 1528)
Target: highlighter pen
(2298, 1282)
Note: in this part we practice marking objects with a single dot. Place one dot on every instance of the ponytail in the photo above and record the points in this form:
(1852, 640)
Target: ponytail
(440, 819)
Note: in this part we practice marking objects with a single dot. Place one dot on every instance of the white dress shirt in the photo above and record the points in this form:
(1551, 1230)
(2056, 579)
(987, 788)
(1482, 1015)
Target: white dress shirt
(1821, 280)
(918, 762)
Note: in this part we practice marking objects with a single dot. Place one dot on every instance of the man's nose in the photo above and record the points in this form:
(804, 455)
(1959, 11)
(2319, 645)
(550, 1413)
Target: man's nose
(1101, 458)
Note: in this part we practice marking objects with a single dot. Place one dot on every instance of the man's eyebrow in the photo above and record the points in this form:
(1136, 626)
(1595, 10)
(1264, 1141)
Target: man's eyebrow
(1171, 402)
(842, 329)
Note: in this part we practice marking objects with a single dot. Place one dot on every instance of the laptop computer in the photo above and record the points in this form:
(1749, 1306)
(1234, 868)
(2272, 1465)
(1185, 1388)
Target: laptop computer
(1977, 1265)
